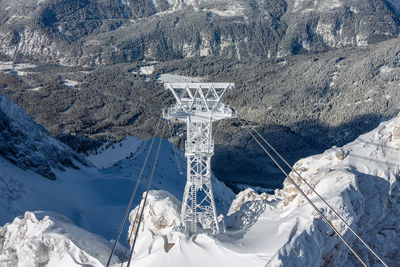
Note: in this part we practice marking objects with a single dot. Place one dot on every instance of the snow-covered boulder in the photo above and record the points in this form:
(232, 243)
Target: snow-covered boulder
(245, 209)
(245, 196)
(159, 225)
(41, 240)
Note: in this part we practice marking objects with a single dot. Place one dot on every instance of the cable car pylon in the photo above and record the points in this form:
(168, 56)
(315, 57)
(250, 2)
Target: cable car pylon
(198, 105)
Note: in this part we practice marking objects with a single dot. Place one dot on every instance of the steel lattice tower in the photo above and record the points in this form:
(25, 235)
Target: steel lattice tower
(198, 105)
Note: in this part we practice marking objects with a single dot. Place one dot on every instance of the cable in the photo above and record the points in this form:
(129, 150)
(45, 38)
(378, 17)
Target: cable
(305, 196)
(130, 234)
(313, 189)
(132, 196)
(145, 198)
(175, 149)
(134, 222)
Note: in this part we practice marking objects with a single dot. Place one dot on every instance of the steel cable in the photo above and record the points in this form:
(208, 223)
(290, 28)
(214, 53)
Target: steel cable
(130, 234)
(313, 189)
(144, 199)
(305, 196)
(133, 195)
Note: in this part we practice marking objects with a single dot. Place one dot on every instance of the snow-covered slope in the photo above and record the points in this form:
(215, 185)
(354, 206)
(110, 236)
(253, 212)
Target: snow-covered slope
(109, 154)
(92, 198)
(360, 180)
(28, 145)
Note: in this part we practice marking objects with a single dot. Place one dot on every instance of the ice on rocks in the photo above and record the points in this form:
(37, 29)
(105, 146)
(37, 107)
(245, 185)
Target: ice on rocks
(160, 222)
(50, 240)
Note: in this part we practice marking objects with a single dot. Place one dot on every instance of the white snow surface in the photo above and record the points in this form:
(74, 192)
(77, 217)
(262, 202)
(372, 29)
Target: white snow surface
(70, 83)
(16, 68)
(316, 5)
(35, 89)
(109, 154)
(173, 78)
(10, 65)
(147, 70)
(37, 239)
(360, 180)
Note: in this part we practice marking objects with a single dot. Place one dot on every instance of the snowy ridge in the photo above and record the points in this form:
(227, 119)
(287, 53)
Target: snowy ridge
(42, 240)
(29, 145)
(360, 180)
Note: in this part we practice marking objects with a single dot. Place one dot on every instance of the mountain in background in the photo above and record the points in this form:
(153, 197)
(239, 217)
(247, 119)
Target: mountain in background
(308, 74)
(95, 32)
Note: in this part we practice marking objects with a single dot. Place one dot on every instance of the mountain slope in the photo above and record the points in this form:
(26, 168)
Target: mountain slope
(360, 180)
(108, 32)
(29, 146)
(92, 198)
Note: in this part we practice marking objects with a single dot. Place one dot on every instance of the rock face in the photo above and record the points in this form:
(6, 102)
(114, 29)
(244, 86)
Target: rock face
(30, 146)
(106, 32)
(50, 240)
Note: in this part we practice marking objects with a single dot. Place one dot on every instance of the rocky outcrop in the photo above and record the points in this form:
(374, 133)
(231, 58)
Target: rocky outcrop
(362, 185)
(160, 223)
(39, 239)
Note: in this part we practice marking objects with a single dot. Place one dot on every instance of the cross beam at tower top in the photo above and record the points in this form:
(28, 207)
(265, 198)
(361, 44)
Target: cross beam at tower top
(200, 101)
(198, 105)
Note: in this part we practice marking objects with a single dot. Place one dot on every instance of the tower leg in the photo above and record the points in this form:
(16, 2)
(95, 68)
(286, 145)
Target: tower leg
(198, 204)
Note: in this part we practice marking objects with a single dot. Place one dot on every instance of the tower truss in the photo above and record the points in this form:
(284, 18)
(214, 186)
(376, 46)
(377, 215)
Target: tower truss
(199, 105)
